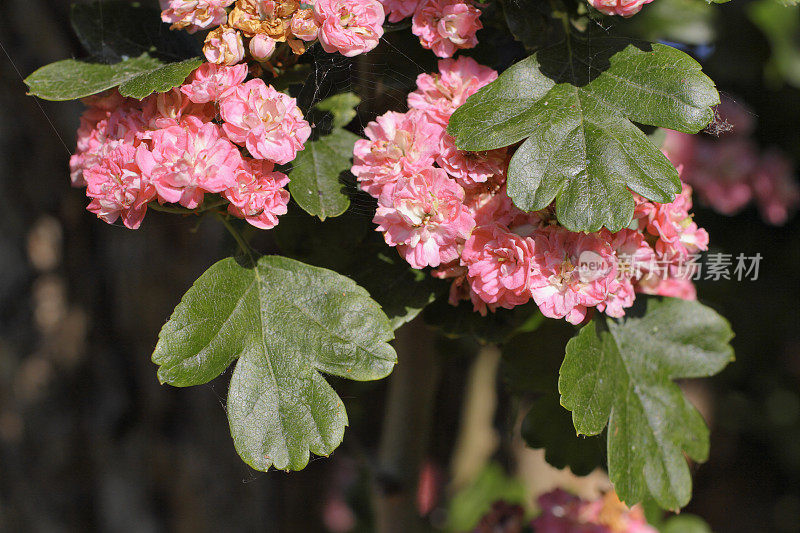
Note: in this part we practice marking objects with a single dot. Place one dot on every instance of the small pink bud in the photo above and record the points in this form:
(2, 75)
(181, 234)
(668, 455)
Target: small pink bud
(262, 47)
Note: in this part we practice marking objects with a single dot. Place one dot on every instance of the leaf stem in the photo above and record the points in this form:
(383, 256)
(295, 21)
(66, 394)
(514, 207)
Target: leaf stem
(237, 236)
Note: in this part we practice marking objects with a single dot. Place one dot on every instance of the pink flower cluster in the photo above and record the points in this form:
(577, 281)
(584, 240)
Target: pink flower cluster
(194, 15)
(625, 8)
(729, 171)
(178, 146)
(564, 513)
(443, 26)
(445, 208)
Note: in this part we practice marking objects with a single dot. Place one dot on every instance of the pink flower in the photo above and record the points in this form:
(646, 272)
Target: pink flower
(224, 46)
(670, 287)
(564, 513)
(398, 143)
(350, 27)
(776, 190)
(720, 172)
(162, 110)
(397, 10)
(209, 81)
(100, 132)
(625, 8)
(189, 160)
(445, 26)
(257, 195)
(634, 258)
(194, 15)
(469, 168)
(499, 265)
(117, 188)
(304, 26)
(261, 47)
(441, 94)
(269, 123)
(424, 217)
(572, 272)
(678, 236)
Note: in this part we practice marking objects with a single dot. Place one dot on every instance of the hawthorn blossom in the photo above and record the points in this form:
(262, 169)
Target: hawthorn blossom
(117, 188)
(445, 26)
(776, 191)
(572, 272)
(189, 160)
(267, 122)
(440, 94)
(350, 27)
(499, 265)
(209, 81)
(469, 168)
(678, 236)
(194, 15)
(564, 513)
(304, 26)
(625, 8)
(397, 10)
(667, 286)
(423, 216)
(258, 195)
(396, 144)
(162, 110)
(224, 46)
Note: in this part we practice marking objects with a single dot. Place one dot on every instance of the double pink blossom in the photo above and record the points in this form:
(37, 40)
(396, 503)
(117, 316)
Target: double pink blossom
(571, 272)
(564, 513)
(117, 188)
(470, 168)
(258, 195)
(625, 8)
(267, 122)
(423, 215)
(189, 160)
(396, 144)
(397, 10)
(350, 27)
(441, 93)
(209, 81)
(194, 15)
(499, 265)
(678, 236)
(445, 26)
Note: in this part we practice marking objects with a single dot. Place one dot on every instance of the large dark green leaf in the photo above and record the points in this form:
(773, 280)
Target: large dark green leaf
(139, 77)
(286, 322)
(619, 373)
(112, 31)
(316, 174)
(574, 104)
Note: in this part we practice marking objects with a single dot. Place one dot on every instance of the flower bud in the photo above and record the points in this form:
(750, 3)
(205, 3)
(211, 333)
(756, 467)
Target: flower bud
(224, 46)
(262, 47)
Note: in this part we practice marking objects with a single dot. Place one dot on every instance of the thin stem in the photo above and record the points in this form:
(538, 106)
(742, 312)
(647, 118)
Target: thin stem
(237, 236)
(155, 206)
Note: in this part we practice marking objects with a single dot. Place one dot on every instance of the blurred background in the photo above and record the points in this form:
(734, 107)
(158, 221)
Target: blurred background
(90, 441)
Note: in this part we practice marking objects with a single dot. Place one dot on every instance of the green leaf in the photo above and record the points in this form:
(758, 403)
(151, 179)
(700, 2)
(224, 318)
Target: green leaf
(316, 174)
(685, 523)
(361, 254)
(285, 322)
(496, 327)
(341, 106)
(71, 79)
(573, 105)
(619, 373)
(117, 30)
(530, 369)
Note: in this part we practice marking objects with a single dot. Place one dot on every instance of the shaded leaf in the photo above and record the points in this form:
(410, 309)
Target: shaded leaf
(341, 106)
(286, 322)
(573, 105)
(316, 174)
(495, 327)
(619, 373)
(112, 31)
